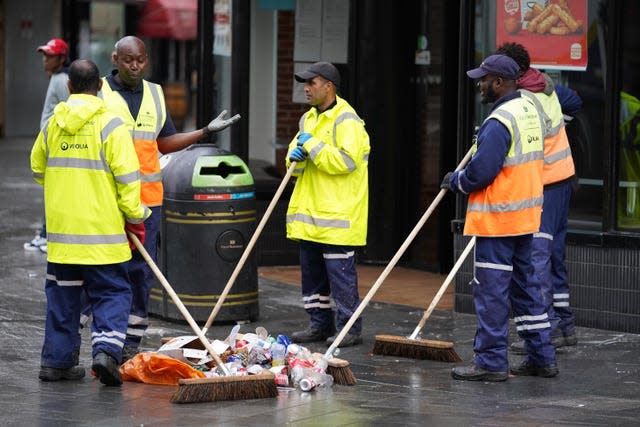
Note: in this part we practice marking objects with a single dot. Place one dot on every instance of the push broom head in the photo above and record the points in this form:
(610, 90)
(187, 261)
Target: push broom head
(340, 371)
(194, 390)
(392, 345)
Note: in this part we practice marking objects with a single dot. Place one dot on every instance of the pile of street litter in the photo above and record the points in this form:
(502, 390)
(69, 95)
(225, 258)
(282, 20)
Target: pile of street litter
(243, 354)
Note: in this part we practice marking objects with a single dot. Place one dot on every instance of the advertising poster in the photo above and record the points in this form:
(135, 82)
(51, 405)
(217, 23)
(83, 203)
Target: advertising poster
(553, 31)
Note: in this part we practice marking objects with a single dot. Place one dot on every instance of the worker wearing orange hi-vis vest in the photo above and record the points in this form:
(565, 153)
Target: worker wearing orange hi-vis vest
(555, 104)
(504, 183)
(141, 105)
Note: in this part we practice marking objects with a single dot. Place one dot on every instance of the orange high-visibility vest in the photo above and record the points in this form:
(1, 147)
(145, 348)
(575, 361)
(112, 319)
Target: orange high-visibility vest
(558, 161)
(512, 204)
(144, 130)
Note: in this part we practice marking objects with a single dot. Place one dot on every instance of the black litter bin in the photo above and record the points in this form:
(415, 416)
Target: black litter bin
(208, 218)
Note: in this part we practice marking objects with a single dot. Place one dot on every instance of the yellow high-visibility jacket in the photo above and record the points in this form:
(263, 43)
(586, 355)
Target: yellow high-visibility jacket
(85, 159)
(330, 200)
(144, 130)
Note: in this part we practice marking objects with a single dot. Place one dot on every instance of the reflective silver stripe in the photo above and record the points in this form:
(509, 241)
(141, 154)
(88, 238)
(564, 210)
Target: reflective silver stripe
(317, 305)
(151, 177)
(113, 341)
(530, 318)
(108, 334)
(493, 266)
(365, 157)
(348, 161)
(301, 122)
(560, 296)
(155, 93)
(543, 236)
(137, 320)
(339, 256)
(561, 304)
(517, 148)
(533, 326)
(554, 130)
(523, 158)
(38, 175)
(298, 170)
(135, 332)
(318, 222)
(45, 135)
(109, 127)
(73, 162)
(341, 118)
(53, 278)
(560, 155)
(83, 239)
(506, 207)
(315, 150)
(316, 297)
(139, 134)
(128, 178)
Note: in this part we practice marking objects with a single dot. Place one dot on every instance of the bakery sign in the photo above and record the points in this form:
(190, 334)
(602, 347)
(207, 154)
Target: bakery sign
(553, 31)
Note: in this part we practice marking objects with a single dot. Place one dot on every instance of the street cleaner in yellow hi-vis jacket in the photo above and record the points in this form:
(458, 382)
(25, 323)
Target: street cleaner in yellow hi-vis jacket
(328, 209)
(141, 105)
(84, 158)
(504, 182)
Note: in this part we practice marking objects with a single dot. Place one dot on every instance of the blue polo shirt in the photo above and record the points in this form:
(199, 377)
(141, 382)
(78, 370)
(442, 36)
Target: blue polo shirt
(133, 97)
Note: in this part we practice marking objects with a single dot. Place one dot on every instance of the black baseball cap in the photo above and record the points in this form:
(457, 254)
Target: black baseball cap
(322, 69)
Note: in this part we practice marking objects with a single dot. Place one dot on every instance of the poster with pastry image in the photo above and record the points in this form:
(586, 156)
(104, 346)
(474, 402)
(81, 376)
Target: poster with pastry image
(553, 31)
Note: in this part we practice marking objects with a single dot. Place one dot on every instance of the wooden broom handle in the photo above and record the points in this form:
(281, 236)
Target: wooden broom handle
(392, 263)
(178, 303)
(444, 287)
(248, 248)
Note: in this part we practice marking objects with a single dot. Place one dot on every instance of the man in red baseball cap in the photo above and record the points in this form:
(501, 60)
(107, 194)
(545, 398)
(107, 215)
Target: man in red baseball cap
(55, 61)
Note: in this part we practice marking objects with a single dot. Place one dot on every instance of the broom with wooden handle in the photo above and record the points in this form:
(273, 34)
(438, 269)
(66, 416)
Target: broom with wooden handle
(226, 387)
(248, 249)
(417, 348)
(343, 375)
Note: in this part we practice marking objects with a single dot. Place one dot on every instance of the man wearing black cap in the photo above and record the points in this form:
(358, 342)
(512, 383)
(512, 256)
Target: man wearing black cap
(504, 182)
(328, 209)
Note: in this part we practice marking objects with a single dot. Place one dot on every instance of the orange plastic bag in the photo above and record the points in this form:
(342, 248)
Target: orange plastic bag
(155, 368)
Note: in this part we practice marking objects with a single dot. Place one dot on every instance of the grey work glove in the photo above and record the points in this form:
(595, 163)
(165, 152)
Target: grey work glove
(220, 123)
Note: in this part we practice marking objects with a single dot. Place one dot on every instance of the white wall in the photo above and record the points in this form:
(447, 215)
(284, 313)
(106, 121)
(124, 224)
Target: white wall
(262, 91)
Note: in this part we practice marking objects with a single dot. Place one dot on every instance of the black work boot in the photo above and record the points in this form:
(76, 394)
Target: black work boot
(348, 340)
(106, 369)
(129, 352)
(311, 335)
(526, 368)
(56, 374)
(475, 373)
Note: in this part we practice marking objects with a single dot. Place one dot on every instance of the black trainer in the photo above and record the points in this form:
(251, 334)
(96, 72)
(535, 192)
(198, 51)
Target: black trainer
(527, 368)
(475, 373)
(106, 369)
(348, 340)
(311, 335)
(56, 374)
(558, 341)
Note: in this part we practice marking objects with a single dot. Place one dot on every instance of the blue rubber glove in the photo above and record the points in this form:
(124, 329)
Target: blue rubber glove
(298, 154)
(303, 137)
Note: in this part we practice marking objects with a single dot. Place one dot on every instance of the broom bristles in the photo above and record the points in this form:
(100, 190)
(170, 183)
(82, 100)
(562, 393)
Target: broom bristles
(194, 390)
(340, 371)
(392, 345)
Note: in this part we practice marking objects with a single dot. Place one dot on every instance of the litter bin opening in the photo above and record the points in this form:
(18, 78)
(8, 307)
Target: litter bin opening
(223, 170)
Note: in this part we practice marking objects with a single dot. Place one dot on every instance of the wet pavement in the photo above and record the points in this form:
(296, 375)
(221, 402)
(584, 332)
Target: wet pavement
(598, 385)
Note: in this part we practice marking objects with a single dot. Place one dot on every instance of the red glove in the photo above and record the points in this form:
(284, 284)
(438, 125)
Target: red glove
(137, 230)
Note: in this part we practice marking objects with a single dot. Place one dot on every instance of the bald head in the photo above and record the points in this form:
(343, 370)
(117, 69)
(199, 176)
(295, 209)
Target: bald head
(130, 57)
(84, 77)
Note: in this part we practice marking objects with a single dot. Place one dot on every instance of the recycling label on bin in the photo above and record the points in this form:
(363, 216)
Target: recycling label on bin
(225, 196)
(230, 245)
